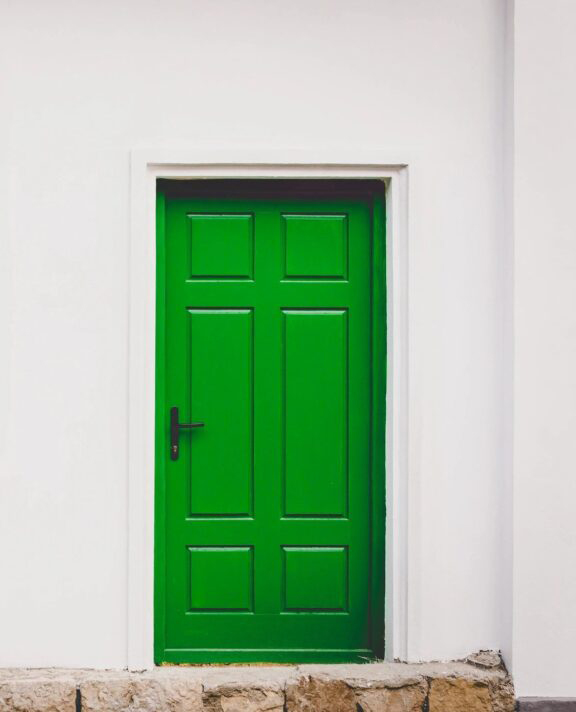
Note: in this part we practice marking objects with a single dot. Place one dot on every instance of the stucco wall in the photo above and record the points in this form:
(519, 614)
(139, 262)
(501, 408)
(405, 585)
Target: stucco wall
(82, 84)
(544, 610)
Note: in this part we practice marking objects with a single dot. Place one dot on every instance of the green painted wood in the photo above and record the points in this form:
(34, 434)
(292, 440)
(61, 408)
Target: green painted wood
(270, 525)
(220, 347)
(316, 428)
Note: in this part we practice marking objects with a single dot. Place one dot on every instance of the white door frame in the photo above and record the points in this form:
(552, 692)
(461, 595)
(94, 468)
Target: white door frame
(146, 167)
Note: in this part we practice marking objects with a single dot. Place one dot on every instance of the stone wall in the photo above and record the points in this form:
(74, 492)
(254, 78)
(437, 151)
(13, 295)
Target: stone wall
(480, 684)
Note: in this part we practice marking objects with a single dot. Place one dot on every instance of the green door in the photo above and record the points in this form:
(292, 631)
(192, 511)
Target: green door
(271, 333)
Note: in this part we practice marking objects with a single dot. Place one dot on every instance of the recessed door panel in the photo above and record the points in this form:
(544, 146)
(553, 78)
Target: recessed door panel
(221, 579)
(221, 246)
(316, 412)
(220, 351)
(315, 579)
(316, 246)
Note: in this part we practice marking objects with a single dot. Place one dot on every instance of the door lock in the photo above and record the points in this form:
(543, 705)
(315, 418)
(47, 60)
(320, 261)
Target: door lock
(175, 428)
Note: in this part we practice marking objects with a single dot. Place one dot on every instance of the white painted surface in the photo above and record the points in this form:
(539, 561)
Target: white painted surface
(146, 168)
(84, 83)
(544, 606)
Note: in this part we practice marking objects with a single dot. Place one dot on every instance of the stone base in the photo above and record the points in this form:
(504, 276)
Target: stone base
(480, 684)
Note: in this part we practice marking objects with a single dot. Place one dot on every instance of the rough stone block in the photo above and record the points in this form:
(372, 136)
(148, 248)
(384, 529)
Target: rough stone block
(106, 694)
(244, 699)
(503, 698)
(37, 695)
(310, 694)
(400, 699)
(245, 689)
(459, 695)
(140, 694)
(487, 659)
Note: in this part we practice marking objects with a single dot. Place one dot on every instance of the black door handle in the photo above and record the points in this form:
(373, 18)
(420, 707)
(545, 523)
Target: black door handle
(175, 428)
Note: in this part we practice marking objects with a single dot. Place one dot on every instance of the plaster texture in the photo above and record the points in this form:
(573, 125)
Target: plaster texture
(83, 85)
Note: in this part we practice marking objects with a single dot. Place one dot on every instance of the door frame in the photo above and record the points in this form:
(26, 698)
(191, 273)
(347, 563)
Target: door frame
(147, 166)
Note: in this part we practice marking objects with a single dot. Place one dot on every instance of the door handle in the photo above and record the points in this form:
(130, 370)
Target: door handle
(175, 428)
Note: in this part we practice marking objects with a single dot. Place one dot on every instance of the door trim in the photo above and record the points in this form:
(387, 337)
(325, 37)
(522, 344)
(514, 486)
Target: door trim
(146, 167)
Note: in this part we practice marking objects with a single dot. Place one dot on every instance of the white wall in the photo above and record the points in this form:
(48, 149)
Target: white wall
(82, 84)
(545, 349)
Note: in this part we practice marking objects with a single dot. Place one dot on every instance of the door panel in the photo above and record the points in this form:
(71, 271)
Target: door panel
(315, 578)
(221, 579)
(220, 346)
(316, 413)
(316, 246)
(221, 246)
(268, 538)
